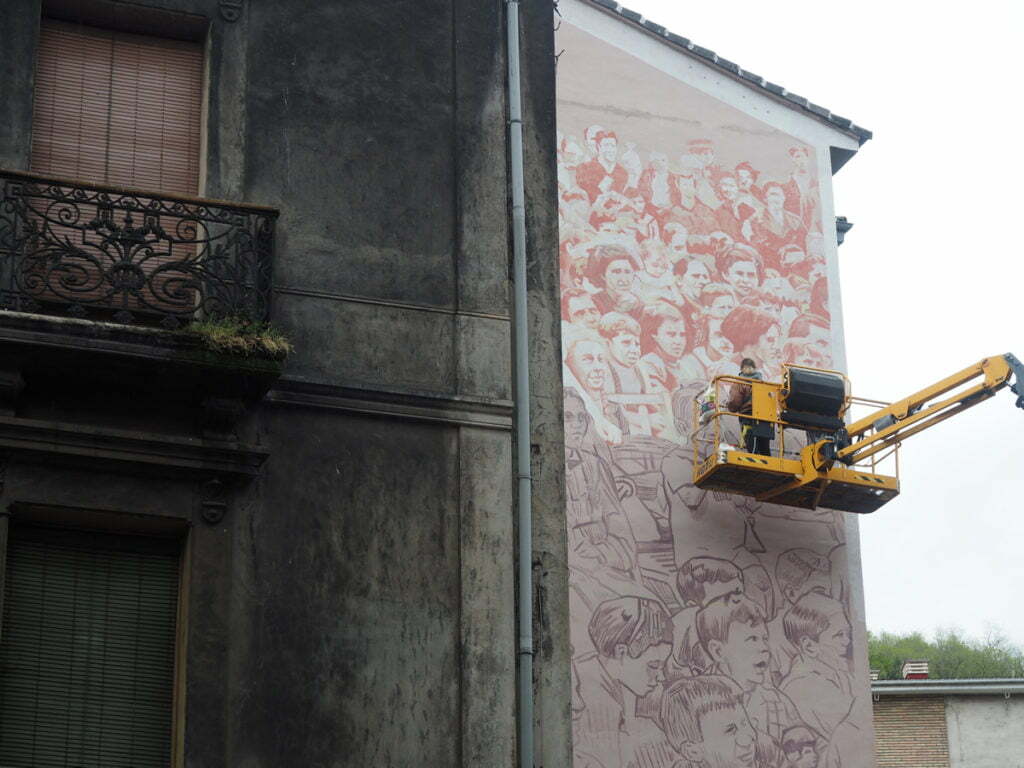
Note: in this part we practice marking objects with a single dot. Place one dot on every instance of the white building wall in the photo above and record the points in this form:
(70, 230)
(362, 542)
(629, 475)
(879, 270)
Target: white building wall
(985, 731)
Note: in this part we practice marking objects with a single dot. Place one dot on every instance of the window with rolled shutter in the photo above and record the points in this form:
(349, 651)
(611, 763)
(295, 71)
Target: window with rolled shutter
(117, 108)
(88, 650)
(122, 109)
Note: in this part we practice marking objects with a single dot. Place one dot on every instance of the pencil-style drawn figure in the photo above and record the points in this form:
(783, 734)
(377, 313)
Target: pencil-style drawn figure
(700, 581)
(632, 638)
(705, 722)
(600, 540)
(733, 634)
(819, 682)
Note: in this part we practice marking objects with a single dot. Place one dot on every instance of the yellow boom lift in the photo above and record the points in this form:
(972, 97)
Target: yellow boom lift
(818, 455)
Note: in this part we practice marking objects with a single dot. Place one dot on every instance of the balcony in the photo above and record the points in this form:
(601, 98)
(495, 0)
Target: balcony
(131, 257)
(102, 293)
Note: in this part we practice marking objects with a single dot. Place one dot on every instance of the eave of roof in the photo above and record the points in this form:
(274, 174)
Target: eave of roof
(932, 687)
(713, 59)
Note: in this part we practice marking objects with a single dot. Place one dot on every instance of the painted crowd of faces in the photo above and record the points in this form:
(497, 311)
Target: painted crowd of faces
(707, 630)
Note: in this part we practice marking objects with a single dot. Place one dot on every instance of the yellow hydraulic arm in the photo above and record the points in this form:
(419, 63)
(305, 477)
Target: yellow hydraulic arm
(895, 423)
(839, 467)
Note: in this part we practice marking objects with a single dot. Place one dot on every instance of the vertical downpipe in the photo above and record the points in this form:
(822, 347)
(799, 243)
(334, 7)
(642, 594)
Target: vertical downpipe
(522, 391)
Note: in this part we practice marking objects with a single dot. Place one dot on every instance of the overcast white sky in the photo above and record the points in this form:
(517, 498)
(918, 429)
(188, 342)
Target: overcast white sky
(932, 273)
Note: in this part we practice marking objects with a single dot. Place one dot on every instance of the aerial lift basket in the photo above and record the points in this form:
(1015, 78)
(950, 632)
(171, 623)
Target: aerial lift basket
(794, 442)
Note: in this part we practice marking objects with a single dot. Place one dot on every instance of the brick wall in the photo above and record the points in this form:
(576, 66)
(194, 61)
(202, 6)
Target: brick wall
(910, 732)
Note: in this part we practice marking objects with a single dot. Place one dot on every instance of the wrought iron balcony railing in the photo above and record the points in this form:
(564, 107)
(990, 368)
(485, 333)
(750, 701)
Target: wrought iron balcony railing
(104, 253)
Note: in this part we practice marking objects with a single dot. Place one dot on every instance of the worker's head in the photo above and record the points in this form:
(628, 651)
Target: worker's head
(747, 366)
(704, 720)
(633, 638)
(799, 571)
(800, 746)
(703, 579)
(817, 627)
(733, 634)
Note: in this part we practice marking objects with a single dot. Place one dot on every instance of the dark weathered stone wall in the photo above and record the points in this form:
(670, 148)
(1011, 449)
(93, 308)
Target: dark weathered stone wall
(356, 606)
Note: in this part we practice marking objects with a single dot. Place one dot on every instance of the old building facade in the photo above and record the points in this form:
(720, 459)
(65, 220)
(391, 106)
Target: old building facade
(217, 558)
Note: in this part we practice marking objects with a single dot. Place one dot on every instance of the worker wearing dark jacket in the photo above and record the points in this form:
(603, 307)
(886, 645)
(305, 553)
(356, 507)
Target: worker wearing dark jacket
(756, 435)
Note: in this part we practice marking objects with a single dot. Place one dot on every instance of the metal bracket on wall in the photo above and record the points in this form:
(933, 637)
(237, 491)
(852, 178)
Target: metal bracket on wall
(231, 10)
(213, 505)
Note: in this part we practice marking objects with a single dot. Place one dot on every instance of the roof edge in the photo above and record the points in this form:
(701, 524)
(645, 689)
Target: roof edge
(937, 687)
(733, 70)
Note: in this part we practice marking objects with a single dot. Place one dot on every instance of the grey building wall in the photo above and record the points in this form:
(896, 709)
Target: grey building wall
(355, 606)
(985, 731)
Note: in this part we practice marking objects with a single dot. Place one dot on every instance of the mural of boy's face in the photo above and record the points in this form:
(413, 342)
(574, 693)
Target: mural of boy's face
(805, 757)
(642, 674)
(625, 348)
(714, 590)
(742, 275)
(584, 311)
(744, 655)
(695, 278)
(671, 339)
(728, 739)
(834, 642)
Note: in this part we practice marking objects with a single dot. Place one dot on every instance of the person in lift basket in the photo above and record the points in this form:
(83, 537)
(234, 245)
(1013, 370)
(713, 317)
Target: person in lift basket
(756, 435)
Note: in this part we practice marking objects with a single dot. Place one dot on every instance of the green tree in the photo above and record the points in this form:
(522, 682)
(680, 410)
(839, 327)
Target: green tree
(951, 655)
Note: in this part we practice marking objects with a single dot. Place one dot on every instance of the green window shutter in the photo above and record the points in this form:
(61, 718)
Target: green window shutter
(87, 651)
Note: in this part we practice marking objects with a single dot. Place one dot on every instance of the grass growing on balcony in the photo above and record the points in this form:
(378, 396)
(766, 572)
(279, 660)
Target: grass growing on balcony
(239, 336)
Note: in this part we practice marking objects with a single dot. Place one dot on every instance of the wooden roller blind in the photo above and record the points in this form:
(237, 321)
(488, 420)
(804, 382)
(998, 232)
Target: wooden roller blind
(117, 108)
(87, 653)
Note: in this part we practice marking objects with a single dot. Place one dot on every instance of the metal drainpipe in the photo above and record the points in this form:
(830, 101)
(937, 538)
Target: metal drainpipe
(522, 372)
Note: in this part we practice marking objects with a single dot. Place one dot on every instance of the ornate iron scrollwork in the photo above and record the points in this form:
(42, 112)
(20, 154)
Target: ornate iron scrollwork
(131, 257)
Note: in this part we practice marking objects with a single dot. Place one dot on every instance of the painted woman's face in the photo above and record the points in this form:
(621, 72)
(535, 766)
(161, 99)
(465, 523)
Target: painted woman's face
(671, 339)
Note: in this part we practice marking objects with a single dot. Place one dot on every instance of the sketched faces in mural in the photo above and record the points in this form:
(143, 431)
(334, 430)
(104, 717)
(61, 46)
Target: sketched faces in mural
(632, 638)
(706, 723)
(708, 630)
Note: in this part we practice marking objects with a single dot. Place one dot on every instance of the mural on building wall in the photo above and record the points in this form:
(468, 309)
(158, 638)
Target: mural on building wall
(707, 629)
